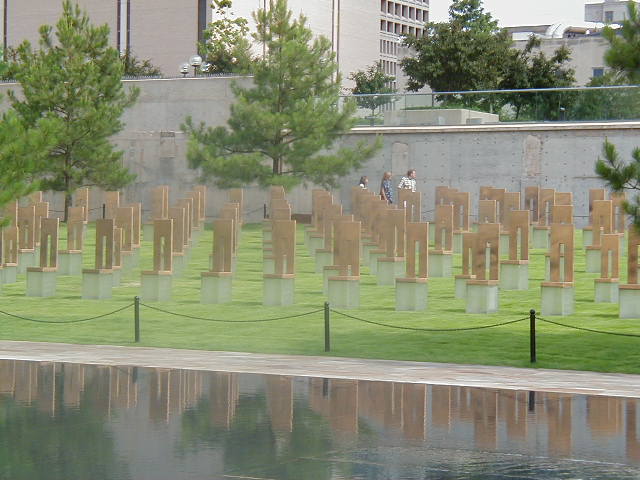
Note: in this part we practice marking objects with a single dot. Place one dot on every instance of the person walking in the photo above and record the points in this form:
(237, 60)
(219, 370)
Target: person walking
(385, 188)
(408, 182)
(364, 182)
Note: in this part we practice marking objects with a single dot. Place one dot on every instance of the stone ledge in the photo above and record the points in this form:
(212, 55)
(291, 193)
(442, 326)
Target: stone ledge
(508, 378)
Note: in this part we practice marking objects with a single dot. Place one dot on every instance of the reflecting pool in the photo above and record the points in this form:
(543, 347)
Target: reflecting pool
(70, 421)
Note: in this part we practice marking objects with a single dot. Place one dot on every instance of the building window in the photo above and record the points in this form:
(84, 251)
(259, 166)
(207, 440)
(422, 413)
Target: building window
(383, 5)
(608, 16)
(123, 31)
(203, 5)
(598, 72)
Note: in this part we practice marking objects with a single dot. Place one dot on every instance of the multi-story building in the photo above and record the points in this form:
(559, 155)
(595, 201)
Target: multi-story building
(397, 18)
(164, 31)
(167, 32)
(587, 45)
(360, 34)
(608, 11)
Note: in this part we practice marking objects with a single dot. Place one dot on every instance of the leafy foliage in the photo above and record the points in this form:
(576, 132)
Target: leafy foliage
(613, 104)
(370, 82)
(282, 129)
(522, 69)
(470, 53)
(464, 53)
(76, 80)
(226, 47)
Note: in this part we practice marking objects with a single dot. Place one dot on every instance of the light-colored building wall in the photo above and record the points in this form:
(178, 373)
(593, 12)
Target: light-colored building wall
(609, 11)
(352, 26)
(164, 31)
(399, 17)
(23, 18)
(587, 53)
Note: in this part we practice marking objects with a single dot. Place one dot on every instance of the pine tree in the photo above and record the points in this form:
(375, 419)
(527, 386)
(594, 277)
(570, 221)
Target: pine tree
(623, 58)
(281, 130)
(76, 77)
(23, 152)
(623, 55)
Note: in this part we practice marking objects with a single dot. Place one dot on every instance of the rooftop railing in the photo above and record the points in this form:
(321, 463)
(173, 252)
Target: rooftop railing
(571, 104)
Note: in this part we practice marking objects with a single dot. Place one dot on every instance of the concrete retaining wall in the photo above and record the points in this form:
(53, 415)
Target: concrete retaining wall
(512, 156)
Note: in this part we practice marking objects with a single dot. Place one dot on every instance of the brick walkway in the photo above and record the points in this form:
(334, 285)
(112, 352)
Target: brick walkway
(590, 383)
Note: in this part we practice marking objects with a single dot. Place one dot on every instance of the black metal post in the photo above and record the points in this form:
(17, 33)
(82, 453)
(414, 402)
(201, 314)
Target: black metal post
(327, 332)
(136, 318)
(104, 210)
(264, 210)
(532, 335)
(532, 401)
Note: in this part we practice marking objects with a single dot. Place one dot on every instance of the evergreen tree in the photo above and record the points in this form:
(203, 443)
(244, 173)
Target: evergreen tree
(23, 151)
(462, 54)
(370, 83)
(623, 57)
(282, 129)
(75, 77)
(621, 176)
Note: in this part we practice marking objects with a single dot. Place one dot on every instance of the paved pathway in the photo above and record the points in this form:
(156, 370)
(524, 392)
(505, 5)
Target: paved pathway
(567, 381)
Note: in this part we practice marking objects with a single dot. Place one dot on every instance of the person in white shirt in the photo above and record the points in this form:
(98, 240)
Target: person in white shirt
(409, 181)
(364, 182)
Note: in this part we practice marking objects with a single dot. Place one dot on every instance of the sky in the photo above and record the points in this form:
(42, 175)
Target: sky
(522, 12)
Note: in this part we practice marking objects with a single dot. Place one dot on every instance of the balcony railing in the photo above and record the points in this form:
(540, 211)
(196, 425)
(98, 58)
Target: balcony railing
(576, 104)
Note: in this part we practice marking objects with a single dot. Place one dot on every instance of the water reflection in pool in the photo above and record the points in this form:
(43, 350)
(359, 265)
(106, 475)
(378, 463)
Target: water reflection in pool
(70, 421)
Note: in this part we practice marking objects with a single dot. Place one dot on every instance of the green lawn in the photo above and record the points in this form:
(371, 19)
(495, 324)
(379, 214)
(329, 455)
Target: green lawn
(558, 347)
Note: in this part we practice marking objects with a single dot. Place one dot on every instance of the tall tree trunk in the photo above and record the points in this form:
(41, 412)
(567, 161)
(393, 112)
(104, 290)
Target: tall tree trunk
(67, 196)
(277, 166)
(68, 199)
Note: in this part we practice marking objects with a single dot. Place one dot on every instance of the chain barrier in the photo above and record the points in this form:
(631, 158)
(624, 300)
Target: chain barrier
(429, 329)
(259, 209)
(69, 321)
(194, 317)
(620, 334)
(90, 210)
